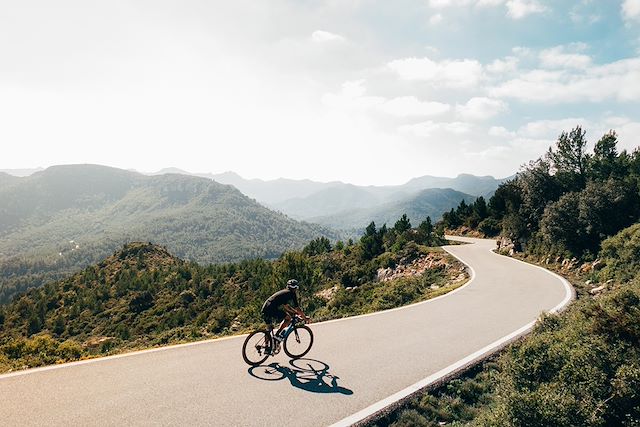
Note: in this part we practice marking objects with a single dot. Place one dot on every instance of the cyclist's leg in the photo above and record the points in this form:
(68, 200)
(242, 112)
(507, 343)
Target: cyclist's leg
(285, 322)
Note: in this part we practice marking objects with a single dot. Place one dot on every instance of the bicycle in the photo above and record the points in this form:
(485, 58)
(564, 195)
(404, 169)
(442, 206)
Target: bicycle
(259, 345)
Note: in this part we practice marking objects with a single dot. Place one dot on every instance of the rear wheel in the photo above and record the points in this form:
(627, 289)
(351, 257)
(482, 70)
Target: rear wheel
(298, 342)
(256, 348)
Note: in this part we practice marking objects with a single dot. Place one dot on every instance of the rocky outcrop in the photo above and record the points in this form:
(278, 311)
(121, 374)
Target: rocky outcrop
(506, 246)
(416, 267)
(327, 294)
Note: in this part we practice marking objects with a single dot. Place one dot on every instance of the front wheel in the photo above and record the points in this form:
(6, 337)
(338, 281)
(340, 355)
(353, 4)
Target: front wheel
(298, 342)
(256, 348)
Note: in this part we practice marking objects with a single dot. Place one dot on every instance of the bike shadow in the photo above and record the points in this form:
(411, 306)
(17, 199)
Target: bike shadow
(306, 374)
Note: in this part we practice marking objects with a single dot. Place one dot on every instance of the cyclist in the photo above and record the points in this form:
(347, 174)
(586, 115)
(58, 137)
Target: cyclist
(281, 306)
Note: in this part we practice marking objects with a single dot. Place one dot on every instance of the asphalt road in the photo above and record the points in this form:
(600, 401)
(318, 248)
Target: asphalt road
(354, 366)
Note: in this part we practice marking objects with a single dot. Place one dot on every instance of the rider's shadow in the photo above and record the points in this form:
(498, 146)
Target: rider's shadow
(306, 374)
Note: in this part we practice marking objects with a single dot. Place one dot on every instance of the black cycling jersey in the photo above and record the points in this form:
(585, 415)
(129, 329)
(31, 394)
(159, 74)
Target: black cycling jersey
(280, 298)
(273, 310)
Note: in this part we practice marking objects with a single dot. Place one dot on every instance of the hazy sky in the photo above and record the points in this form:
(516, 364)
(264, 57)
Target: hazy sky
(368, 92)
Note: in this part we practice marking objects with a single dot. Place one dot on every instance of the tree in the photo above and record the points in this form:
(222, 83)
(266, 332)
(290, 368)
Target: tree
(538, 187)
(34, 325)
(507, 199)
(424, 234)
(451, 219)
(569, 159)
(372, 241)
(317, 246)
(463, 210)
(605, 208)
(58, 324)
(480, 208)
(560, 223)
(605, 157)
(402, 225)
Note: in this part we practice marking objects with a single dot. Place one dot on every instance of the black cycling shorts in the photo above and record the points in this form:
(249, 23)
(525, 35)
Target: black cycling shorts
(272, 314)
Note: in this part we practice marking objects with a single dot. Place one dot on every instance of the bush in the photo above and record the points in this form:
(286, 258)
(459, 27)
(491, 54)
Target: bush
(578, 369)
(622, 254)
(38, 351)
(490, 227)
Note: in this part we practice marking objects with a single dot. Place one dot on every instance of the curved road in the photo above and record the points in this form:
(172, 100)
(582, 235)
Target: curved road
(356, 364)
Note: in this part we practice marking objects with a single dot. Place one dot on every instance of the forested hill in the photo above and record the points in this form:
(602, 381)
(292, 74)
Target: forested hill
(142, 295)
(432, 202)
(6, 179)
(577, 211)
(65, 217)
(566, 202)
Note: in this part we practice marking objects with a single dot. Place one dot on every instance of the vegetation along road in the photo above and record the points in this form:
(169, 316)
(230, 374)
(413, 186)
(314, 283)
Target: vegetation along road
(356, 366)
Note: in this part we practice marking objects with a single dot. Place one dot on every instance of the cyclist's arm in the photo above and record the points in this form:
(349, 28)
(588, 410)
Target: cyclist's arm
(293, 311)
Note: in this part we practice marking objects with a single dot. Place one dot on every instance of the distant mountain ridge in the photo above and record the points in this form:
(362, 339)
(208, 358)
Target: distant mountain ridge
(339, 205)
(432, 202)
(335, 203)
(70, 216)
(21, 172)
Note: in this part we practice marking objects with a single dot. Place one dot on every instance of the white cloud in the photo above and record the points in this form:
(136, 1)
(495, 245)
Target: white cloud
(431, 129)
(580, 14)
(440, 4)
(631, 10)
(352, 96)
(558, 57)
(320, 36)
(480, 108)
(501, 66)
(549, 129)
(522, 51)
(436, 19)
(489, 3)
(500, 132)
(407, 106)
(451, 73)
(627, 130)
(518, 9)
(618, 80)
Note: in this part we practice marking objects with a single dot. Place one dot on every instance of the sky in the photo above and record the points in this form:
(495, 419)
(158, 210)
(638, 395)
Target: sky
(366, 92)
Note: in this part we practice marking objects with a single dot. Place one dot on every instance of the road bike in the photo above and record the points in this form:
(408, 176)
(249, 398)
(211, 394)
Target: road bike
(259, 345)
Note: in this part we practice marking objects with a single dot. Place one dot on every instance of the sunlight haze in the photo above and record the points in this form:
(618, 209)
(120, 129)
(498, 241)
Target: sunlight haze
(364, 92)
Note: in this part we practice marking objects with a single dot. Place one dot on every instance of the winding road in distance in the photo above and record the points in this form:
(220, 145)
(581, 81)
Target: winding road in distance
(356, 366)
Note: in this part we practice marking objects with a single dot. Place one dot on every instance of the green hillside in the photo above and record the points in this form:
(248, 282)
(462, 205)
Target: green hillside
(328, 201)
(431, 202)
(465, 183)
(577, 212)
(65, 217)
(142, 296)
(6, 180)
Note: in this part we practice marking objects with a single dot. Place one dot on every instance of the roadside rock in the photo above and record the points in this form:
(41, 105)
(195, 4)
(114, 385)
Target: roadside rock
(416, 267)
(97, 341)
(327, 294)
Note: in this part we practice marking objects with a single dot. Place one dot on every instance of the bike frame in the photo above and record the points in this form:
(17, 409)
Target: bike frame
(295, 320)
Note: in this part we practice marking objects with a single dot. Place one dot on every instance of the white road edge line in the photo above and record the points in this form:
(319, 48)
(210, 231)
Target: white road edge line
(370, 410)
(188, 344)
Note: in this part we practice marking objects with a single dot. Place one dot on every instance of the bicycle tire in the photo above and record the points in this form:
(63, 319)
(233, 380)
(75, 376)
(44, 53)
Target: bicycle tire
(264, 342)
(296, 337)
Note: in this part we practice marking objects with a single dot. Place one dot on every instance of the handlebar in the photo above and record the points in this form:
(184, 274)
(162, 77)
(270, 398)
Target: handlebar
(299, 319)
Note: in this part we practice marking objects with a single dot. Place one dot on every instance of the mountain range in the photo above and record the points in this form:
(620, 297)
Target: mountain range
(340, 205)
(432, 202)
(64, 217)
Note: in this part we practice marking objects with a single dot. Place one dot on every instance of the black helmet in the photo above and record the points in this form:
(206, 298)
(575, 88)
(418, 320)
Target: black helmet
(292, 284)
